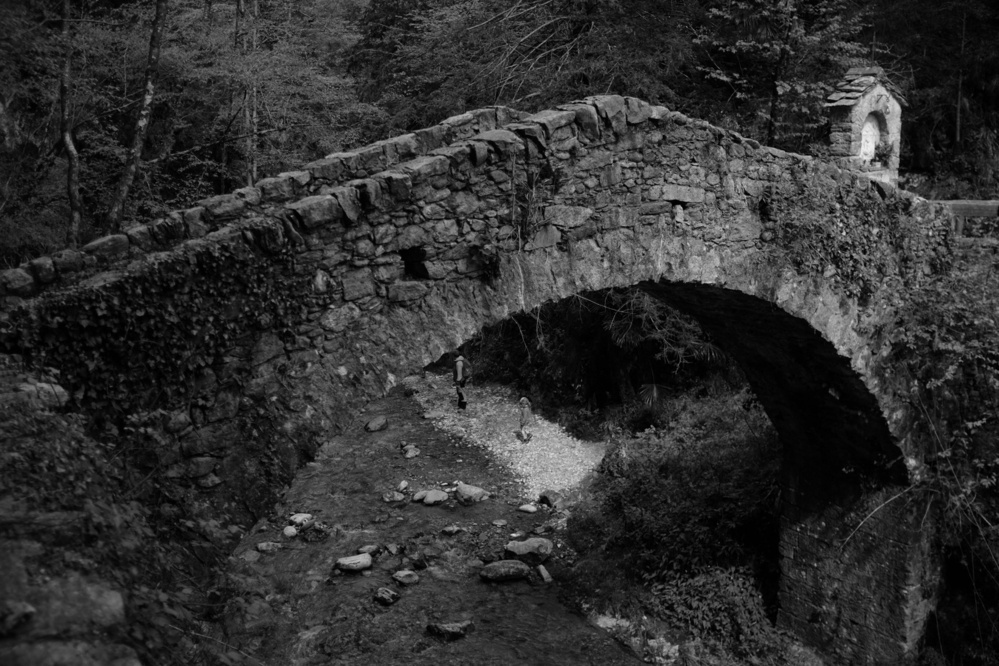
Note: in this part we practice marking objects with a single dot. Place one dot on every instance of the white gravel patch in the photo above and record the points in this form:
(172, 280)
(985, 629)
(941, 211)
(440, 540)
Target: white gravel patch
(551, 460)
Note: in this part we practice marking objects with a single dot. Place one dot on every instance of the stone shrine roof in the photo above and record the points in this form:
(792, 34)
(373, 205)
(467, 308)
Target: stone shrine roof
(857, 82)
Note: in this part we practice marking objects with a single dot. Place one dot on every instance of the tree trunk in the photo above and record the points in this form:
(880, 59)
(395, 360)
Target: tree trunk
(66, 130)
(113, 222)
(250, 94)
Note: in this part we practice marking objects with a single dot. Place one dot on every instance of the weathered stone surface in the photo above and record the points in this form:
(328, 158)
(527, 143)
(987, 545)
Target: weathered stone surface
(469, 494)
(354, 562)
(43, 269)
(434, 497)
(683, 193)
(386, 596)
(533, 551)
(450, 631)
(18, 281)
(68, 261)
(406, 577)
(567, 217)
(376, 424)
(315, 211)
(504, 571)
(407, 291)
(68, 653)
(358, 284)
(108, 247)
(337, 319)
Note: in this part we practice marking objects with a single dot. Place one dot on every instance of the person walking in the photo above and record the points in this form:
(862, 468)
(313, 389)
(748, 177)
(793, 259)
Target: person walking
(526, 420)
(461, 372)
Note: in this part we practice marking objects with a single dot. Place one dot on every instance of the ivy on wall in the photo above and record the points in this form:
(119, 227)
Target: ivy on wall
(855, 237)
(141, 342)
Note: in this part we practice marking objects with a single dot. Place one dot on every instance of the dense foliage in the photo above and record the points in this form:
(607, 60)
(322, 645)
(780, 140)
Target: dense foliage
(226, 108)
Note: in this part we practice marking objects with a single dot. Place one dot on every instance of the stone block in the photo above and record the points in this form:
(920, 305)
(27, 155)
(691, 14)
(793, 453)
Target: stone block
(338, 318)
(108, 247)
(503, 141)
(329, 169)
(398, 185)
(349, 200)
(567, 217)
(43, 269)
(224, 206)
(68, 261)
(430, 138)
(683, 193)
(17, 281)
(358, 284)
(552, 119)
(546, 236)
(586, 118)
(407, 291)
(636, 110)
(141, 238)
(315, 211)
(194, 222)
(423, 168)
(276, 189)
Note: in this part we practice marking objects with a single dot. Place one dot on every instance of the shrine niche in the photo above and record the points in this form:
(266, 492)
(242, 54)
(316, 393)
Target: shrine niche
(866, 115)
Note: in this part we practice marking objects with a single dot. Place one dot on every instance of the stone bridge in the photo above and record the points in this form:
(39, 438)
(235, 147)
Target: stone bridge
(314, 290)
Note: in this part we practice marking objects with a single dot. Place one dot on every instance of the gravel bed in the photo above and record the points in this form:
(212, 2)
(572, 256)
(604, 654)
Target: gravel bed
(551, 460)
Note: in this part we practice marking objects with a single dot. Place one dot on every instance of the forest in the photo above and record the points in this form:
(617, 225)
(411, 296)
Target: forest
(113, 112)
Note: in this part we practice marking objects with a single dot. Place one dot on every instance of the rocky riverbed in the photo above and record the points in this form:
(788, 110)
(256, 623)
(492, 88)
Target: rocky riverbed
(419, 537)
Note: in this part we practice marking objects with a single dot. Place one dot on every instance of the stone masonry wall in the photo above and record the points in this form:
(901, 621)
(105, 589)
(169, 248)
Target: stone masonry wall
(332, 289)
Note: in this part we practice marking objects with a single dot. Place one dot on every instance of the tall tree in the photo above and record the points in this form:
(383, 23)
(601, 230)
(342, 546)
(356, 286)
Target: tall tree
(66, 130)
(113, 220)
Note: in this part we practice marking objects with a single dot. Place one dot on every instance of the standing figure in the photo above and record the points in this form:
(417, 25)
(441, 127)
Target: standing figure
(460, 378)
(526, 420)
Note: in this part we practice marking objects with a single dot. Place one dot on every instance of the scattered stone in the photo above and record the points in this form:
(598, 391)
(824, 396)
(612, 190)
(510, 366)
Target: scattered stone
(402, 486)
(290, 532)
(268, 546)
(370, 549)
(499, 522)
(392, 548)
(354, 562)
(434, 497)
(376, 424)
(418, 497)
(434, 415)
(385, 596)
(300, 519)
(468, 494)
(451, 530)
(534, 551)
(450, 631)
(250, 556)
(527, 508)
(505, 570)
(406, 577)
(545, 576)
(394, 497)
(411, 451)
(517, 535)
(541, 529)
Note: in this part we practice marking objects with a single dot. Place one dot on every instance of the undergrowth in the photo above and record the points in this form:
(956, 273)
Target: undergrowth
(688, 508)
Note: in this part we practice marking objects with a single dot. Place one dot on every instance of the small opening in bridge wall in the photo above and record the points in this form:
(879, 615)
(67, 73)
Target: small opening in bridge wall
(414, 260)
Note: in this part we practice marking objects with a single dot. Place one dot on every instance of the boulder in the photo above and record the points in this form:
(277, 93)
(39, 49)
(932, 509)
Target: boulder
(533, 551)
(450, 631)
(406, 577)
(505, 570)
(434, 497)
(385, 596)
(354, 562)
(376, 424)
(468, 494)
